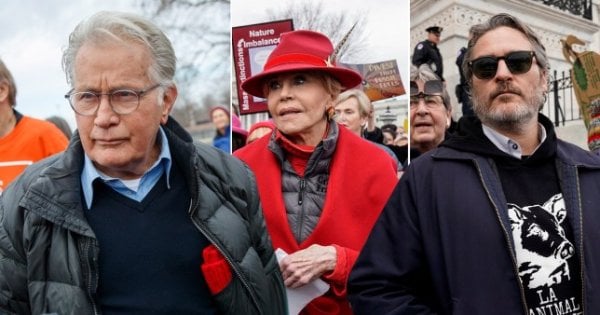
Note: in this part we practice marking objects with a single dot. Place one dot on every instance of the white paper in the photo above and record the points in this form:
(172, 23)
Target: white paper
(298, 298)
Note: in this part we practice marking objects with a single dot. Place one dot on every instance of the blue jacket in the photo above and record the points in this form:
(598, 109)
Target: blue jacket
(443, 244)
(223, 141)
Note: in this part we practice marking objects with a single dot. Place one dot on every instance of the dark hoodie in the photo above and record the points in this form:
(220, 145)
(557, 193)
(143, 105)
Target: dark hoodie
(542, 235)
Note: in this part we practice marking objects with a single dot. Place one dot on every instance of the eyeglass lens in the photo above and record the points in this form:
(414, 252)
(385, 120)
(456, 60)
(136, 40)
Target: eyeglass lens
(122, 101)
(518, 62)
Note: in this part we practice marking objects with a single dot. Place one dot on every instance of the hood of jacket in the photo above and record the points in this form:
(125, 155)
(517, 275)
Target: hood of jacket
(469, 137)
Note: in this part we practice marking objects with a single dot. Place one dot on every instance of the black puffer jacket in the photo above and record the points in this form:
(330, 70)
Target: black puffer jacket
(49, 254)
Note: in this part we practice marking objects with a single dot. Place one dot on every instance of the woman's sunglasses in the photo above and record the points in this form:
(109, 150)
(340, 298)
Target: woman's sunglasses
(518, 62)
(432, 87)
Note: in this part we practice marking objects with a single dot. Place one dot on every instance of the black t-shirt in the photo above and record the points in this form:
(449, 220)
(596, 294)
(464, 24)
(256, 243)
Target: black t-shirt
(548, 262)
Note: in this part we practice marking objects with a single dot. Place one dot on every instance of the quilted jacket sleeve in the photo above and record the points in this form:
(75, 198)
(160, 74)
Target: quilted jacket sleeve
(235, 183)
(13, 268)
(263, 245)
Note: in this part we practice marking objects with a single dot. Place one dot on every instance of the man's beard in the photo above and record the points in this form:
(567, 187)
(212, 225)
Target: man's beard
(500, 118)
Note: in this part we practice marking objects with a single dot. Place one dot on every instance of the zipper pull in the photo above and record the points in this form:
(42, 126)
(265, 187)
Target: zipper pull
(301, 191)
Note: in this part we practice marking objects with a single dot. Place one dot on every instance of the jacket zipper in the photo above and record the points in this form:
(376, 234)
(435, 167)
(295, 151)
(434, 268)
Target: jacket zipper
(507, 237)
(302, 188)
(226, 256)
(89, 261)
(301, 191)
(581, 265)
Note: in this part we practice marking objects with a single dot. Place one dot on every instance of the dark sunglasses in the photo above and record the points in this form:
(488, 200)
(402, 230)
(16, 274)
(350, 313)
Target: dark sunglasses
(518, 62)
(433, 87)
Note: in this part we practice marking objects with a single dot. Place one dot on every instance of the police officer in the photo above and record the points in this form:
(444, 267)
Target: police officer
(428, 52)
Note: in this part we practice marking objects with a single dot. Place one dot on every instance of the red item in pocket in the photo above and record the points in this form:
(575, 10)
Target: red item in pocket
(216, 270)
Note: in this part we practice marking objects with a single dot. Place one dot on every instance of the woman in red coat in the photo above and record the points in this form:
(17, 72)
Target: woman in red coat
(321, 187)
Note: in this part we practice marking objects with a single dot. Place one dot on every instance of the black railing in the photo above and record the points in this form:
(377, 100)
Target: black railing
(561, 105)
(577, 7)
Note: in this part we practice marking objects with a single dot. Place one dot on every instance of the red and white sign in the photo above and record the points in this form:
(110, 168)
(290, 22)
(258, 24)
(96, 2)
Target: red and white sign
(252, 44)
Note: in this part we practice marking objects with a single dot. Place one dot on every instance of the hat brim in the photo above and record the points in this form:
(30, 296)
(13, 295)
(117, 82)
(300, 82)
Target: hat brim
(436, 30)
(254, 85)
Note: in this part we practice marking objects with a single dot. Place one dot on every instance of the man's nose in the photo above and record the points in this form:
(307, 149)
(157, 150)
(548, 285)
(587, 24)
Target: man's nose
(503, 72)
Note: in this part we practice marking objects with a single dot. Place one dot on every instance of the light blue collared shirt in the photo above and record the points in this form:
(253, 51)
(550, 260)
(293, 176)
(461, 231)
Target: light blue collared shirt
(509, 146)
(162, 165)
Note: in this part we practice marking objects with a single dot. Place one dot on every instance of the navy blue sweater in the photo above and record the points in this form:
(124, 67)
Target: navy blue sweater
(150, 251)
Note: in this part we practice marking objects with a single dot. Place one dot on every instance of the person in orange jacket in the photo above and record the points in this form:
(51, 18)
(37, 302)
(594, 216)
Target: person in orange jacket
(23, 139)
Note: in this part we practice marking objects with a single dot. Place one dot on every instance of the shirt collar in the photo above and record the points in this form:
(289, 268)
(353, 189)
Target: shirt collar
(90, 173)
(509, 146)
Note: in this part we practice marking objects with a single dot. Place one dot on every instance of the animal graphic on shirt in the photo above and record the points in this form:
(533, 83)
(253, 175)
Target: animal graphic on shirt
(540, 243)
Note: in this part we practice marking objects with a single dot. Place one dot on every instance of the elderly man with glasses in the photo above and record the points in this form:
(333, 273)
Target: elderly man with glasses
(430, 109)
(133, 218)
(501, 218)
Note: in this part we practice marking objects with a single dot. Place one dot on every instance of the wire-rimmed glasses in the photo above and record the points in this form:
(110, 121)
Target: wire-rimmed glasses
(122, 102)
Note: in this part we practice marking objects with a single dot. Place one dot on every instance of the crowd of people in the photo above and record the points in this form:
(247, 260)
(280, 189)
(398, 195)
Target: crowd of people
(132, 217)
(128, 215)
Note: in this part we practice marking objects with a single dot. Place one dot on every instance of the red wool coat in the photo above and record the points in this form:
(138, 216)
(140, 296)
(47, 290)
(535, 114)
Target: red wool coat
(362, 177)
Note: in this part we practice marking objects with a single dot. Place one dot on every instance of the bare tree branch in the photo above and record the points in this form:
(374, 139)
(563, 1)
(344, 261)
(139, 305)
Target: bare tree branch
(311, 15)
(200, 33)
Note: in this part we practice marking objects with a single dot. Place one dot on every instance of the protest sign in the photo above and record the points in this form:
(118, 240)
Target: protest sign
(252, 44)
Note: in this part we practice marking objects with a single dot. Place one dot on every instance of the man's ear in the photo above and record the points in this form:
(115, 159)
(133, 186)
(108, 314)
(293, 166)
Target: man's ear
(3, 91)
(169, 97)
(545, 79)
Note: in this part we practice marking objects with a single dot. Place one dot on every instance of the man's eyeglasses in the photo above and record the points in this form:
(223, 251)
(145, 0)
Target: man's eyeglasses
(432, 94)
(518, 62)
(121, 101)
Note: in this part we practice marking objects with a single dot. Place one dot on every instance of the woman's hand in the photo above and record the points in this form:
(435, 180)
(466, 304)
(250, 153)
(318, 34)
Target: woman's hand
(306, 265)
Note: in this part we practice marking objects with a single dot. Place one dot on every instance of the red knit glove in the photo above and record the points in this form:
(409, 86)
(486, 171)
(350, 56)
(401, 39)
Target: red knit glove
(217, 272)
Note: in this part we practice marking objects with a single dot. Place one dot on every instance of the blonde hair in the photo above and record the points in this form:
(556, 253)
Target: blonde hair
(364, 103)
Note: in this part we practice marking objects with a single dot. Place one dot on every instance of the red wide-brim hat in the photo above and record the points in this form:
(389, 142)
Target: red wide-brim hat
(301, 51)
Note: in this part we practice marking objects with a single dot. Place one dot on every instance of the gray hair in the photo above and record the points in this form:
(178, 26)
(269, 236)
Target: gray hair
(108, 26)
(6, 76)
(498, 20)
(425, 73)
(61, 124)
(364, 103)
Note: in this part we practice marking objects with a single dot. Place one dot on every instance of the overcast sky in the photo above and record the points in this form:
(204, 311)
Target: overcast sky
(388, 24)
(31, 41)
(35, 32)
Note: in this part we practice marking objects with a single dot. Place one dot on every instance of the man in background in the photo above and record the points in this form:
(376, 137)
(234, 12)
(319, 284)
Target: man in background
(23, 140)
(428, 52)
